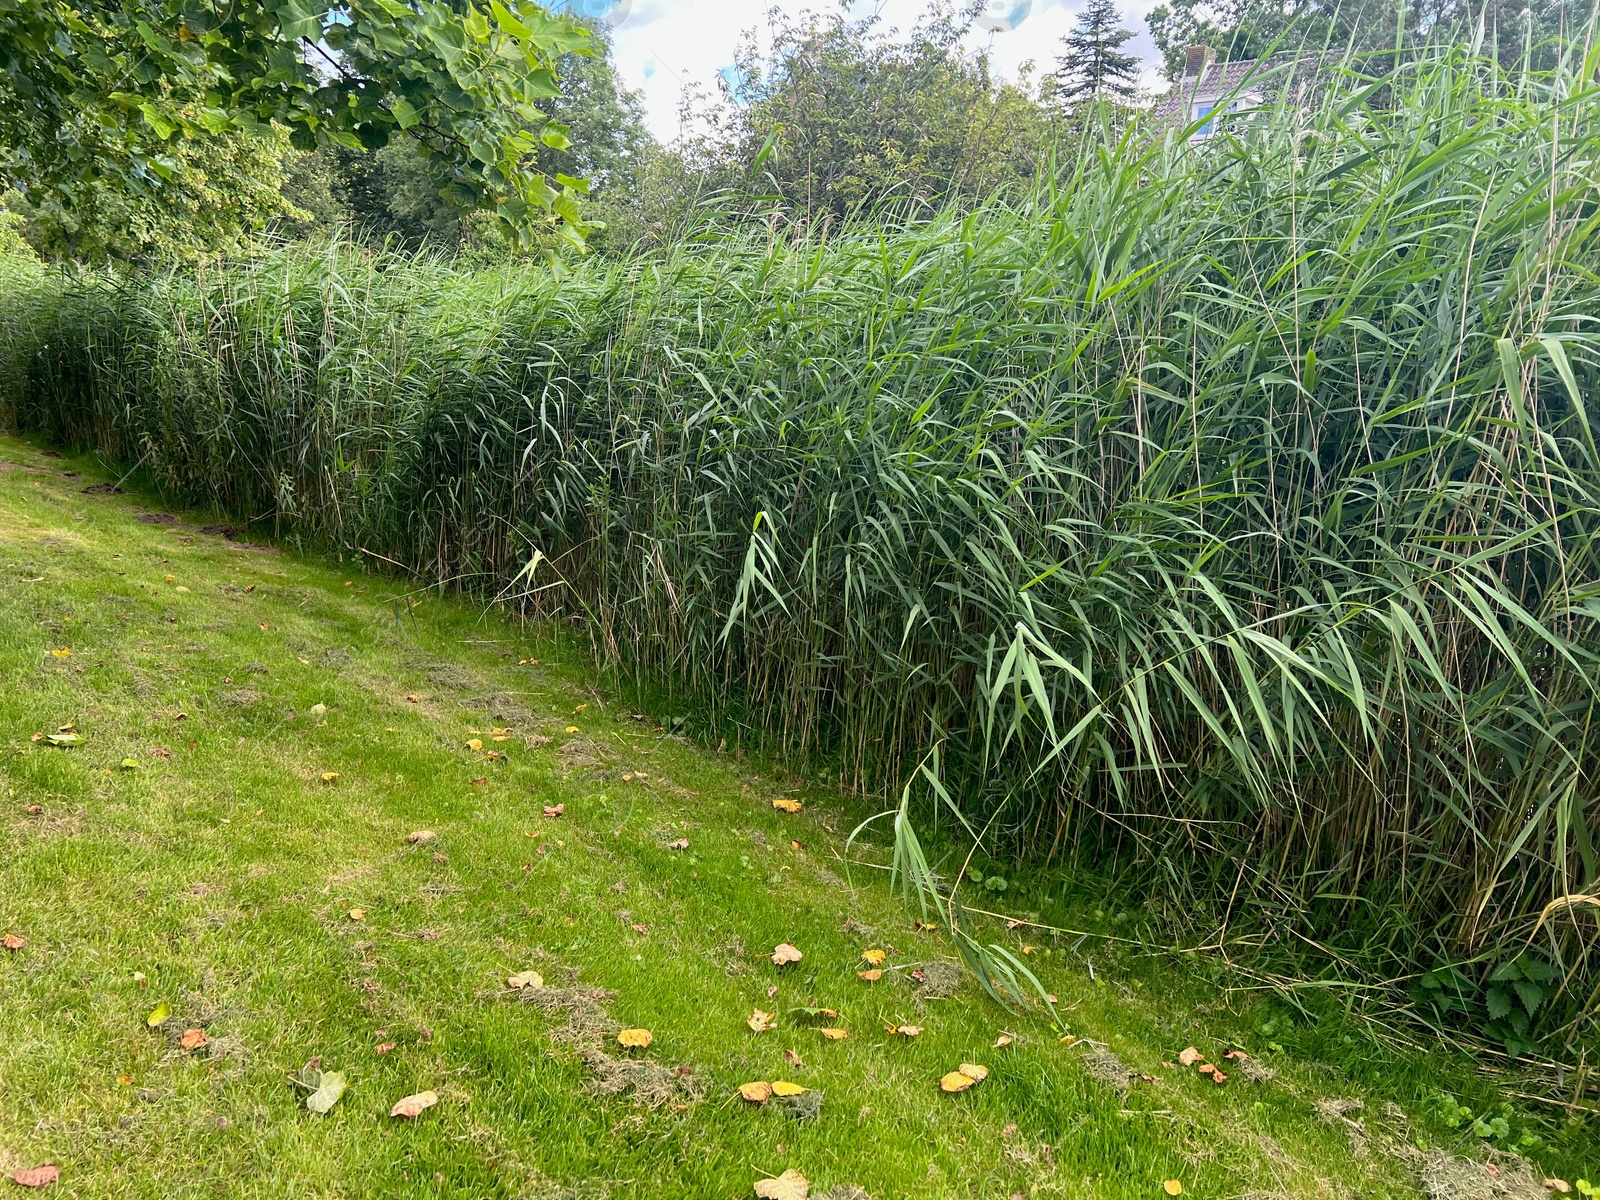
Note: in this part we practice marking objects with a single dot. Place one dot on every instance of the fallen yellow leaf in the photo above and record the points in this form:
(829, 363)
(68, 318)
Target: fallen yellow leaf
(358, 914)
(785, 805)
(974, 1071)
(525, 979)
(909, 1031)
(761, 1021)
(758, 1092)
(64, 652)
(955, 1081)
(835, 1035)
(782, 1087)
(1172, 1187)
(474, 743)
(791, 1185)
(635, 1039)
(1005, 1039)
(329, 776)
(414, 1105)
(875, 957)
(161, 1013)
(572, 729)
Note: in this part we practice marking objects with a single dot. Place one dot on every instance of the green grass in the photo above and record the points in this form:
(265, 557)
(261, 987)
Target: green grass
(227, 872)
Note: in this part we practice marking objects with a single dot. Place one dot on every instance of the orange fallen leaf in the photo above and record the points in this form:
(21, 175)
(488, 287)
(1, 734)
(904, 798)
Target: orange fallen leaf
(192, 1039)
(635, 1039)
(758, 1092)
(791, 1185)
(783, 952)
(783, 804)
(263, 627)
(36, 1177)
(14, 941)
(414, 1105)
(835, 1035)
(1205, 1068)
(480, 781)
(1189, 1056)
(383, 1047)
(874, 957)
(761, 1021)
(871, 976)
(413, 698)
(554, 810)
(125, 1080)
(955, 1081)
(1217, 1076)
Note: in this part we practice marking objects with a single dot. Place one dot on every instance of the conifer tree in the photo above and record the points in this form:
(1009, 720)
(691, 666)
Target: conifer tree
(1095, 67)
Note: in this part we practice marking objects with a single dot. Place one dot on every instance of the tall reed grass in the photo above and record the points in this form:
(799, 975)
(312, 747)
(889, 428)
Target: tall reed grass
(1226, 511)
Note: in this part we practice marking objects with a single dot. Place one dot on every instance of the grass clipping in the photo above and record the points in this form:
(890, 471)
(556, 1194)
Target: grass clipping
(649, 1084)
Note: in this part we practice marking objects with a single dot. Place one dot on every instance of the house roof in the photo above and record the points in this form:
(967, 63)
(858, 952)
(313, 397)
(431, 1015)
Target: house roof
(1218, 79)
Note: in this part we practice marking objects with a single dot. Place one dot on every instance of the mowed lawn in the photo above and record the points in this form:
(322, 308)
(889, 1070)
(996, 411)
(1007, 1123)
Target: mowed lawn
(228, 850)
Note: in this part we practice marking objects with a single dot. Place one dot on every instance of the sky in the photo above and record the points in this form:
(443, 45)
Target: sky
(661, 45)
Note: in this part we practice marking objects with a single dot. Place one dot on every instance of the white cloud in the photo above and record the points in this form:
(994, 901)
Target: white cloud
(661, 45)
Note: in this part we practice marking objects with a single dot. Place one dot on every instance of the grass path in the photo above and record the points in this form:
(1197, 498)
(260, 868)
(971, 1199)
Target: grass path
(253, 873)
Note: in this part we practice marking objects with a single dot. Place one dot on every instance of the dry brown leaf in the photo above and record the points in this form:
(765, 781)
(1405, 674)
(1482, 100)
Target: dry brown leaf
(383, 1048)
(480, 781)
(637, 928)
(835, 1035)
(955, 1081)
(358, 914)
(36, 1177)
(413, 698)
(525, 979)
(782, 1087)
(791, 1185)
(1205, 1068)
(192, 1039)
(793, 1059)
(1172, 1187)
(782, 804)
(758, 1092)
(1188, 1056)
(783, 952)
(414, 1105)
(635, 1039)
(14, 941)
(1005, 1039)
(761, 1021)
(871, 976)
(554, 810)
(421, 835)
(680, 844)
(1558, 1185)
(909, 1031)
(977, 1073)
(1217, 1076)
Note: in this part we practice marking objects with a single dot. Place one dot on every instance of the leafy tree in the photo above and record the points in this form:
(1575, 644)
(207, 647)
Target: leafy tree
(219, 190)
(393, 192)
(839, 115)
(1095, 67)
(150, 76)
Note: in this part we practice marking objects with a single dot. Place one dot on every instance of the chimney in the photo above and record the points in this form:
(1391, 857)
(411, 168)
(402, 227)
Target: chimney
(1198, 59)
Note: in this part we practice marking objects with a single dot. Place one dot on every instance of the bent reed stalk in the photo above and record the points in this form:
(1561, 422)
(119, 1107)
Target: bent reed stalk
(1223, 510)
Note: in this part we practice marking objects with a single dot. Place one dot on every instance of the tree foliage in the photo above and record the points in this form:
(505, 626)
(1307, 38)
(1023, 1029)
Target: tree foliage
(106, 94)
(840, 115)
(1094, 66)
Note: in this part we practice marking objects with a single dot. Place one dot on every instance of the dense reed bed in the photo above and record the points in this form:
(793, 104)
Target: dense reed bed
(1224, 512)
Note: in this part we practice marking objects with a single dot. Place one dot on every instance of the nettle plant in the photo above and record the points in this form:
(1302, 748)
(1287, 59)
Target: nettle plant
(1507, 1002)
